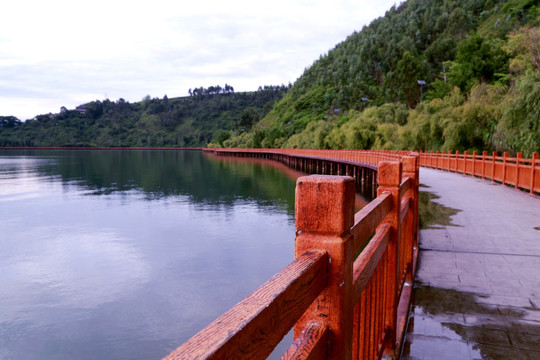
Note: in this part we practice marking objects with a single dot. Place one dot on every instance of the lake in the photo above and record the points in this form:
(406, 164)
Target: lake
(127, 254)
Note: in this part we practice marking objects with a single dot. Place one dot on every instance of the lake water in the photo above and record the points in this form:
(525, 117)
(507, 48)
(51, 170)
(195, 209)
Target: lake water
(127, 254)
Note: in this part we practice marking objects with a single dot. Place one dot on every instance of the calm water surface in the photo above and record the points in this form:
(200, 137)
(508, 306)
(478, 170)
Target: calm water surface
(127, 254)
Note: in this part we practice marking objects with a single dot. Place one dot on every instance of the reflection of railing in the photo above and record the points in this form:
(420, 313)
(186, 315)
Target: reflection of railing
(516, 171)
(348, 291)
(360, 166)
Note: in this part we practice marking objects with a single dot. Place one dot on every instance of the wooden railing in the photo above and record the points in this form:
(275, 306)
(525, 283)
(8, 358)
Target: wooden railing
(518, 172)
(360, 156)
(347, 292)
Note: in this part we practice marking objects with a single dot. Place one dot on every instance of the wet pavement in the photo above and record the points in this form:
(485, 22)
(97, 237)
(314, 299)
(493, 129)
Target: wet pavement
(477, 288)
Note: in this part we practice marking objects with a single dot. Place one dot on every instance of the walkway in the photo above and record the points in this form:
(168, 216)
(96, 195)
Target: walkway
(477, 291)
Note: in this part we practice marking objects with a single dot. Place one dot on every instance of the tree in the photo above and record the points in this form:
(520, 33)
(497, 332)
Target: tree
(408, 72)
(478, 58)
(223, 136)
(248, 118)
(9, 121)
(228, 88)
(458, 23)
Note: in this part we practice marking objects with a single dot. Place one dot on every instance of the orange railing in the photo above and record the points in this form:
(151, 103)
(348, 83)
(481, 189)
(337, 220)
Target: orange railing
(360, 156)
(518, 172)
(348, 291)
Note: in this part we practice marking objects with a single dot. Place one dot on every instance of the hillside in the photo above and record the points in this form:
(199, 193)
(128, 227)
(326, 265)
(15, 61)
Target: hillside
(212, 114)
(429, 75)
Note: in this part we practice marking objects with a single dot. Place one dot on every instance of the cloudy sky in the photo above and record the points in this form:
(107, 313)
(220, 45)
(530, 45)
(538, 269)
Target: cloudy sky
(64, 53)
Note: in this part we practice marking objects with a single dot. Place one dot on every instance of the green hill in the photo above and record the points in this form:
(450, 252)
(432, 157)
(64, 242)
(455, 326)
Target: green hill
(429, 75)
(212, 114)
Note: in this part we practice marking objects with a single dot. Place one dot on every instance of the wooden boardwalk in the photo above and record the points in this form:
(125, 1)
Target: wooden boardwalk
(477, 290)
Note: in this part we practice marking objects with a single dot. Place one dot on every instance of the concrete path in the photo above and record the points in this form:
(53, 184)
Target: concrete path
(477, 290)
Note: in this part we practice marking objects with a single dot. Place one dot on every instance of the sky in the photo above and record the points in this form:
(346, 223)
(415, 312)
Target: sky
(58, 53)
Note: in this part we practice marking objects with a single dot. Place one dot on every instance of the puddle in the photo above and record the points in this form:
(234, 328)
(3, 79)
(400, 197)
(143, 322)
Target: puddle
(449, 324)
(432, 213)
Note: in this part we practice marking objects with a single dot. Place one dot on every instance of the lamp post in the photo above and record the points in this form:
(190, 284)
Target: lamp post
(365, 100)
(422, 83)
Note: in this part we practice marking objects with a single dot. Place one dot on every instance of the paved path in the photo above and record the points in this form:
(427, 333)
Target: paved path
(477, 290)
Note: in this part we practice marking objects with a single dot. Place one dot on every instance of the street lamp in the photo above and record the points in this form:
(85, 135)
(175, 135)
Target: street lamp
(422, 83)
(365, 100)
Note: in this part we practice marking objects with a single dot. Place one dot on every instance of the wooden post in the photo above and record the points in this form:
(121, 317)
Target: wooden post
(533, 168)
(494, 161)
(324, 215)
(411, 169)
(474, 154)
(389, 180)
(505, 156)
(484, 154)
(442, 159)
(518, 161)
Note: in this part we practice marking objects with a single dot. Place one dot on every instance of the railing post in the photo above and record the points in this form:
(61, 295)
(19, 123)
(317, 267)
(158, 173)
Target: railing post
(519, 156)
(324, 216)
(484, 154)
(411, 169)
(447, 162)
(474, 155)
(533, 167)
(493, 162)
(389, 180)
(505, 156)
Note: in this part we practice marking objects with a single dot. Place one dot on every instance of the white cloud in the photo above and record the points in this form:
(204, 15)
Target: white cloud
(58, 53)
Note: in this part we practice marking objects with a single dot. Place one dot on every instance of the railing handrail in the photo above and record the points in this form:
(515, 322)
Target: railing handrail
(519, 172)
(271, 309)
(343, 291)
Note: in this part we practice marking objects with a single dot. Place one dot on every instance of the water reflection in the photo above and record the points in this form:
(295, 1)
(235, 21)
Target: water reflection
(433, 215)
(159, 174)
(128, 254)
(460, 325)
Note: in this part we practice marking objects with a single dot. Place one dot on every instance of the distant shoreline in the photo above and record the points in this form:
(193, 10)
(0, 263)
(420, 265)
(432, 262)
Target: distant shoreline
(94, 148)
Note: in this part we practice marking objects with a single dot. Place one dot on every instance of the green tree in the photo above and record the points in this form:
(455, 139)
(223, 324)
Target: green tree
(519, 129)
(248, 118)
(478, 58)
(408, 72)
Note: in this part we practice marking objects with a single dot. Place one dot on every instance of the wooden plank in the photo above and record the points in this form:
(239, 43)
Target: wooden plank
(369, 258)
(405, 185)
(312, 344)
(405, 205)
(403, 312)
(367, 219)
(254, 326)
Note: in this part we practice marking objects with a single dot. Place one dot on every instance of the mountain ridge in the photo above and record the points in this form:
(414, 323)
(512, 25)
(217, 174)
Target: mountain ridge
(451, 75)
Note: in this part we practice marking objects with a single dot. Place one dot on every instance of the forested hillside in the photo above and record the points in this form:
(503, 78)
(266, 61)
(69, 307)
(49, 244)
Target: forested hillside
(429, 75)
(208, 114)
